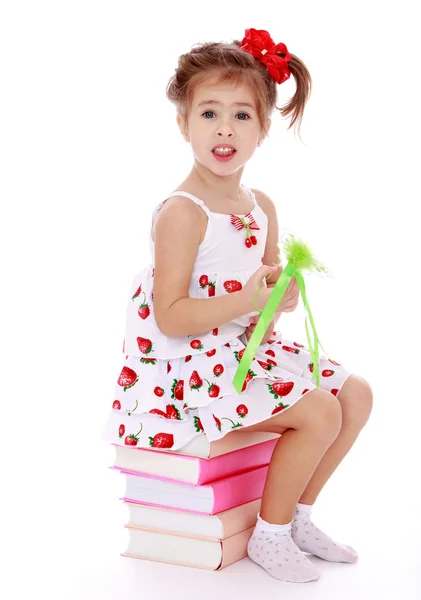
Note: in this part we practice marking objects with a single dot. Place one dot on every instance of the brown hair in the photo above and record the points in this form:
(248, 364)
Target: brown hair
(229, 63)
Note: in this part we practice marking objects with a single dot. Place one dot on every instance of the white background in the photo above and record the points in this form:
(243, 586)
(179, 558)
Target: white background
(89, 143)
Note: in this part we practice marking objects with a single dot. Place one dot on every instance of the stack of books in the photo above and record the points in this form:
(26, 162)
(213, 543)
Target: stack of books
(197, 506)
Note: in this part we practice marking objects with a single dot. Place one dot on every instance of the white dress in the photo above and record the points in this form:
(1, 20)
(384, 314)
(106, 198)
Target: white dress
(171, 389)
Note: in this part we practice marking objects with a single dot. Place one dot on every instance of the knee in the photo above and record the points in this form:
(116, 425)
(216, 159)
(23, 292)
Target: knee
(326, 419)
(356, 398)
(366, 400)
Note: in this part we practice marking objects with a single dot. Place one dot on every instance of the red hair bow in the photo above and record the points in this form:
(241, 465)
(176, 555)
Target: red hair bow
(259, 44)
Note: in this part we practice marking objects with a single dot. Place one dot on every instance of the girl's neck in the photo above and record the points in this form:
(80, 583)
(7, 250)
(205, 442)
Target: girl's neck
(209, 187)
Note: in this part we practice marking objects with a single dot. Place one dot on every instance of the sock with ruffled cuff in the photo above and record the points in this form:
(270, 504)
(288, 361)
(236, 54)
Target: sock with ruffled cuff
(272, 547)
(310, 539)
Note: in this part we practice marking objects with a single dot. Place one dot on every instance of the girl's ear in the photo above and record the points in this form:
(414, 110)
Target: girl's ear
(183, 127)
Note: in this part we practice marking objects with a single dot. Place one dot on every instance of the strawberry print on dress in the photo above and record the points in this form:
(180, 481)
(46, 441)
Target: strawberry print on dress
(169, 390)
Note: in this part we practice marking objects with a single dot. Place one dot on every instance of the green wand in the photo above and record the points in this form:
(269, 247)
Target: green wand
(300, 258)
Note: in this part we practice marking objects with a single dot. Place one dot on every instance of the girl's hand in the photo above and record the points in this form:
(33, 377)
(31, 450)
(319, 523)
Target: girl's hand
(289, 300)
(249, 291)
(250, 329)
(291, 297)
(288, 303)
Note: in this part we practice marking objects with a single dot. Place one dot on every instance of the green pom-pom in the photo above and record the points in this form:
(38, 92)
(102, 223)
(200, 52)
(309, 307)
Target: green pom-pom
(298, 254)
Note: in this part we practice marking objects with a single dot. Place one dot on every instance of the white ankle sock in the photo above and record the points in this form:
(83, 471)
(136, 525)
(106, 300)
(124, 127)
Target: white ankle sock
(310, 539)
(272, 547)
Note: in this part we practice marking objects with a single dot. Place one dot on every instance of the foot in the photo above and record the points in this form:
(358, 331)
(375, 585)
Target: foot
(276, 552)
(312, 540)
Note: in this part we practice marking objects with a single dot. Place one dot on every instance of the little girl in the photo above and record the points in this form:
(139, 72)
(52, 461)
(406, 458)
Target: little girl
(192, 311)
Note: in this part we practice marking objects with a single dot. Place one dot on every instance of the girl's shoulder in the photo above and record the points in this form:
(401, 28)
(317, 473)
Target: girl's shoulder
(178, 205)
(265, 202)
(178, 212)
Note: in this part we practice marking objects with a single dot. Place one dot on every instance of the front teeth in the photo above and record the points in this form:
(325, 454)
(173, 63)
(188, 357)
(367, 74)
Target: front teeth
(223, 151)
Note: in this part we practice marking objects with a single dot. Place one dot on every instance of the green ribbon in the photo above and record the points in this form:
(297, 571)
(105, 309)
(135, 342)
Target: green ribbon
(265, 319)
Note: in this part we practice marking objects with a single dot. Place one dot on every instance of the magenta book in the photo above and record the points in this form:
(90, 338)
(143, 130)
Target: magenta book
(209, 499)
(190, 469)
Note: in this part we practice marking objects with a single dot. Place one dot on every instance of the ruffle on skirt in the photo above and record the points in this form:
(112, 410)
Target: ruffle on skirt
(165, 403)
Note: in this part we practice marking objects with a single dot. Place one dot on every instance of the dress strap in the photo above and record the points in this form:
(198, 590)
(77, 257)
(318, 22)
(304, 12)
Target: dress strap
(198, 201)
(195, 199)
(250, 193)
(177, 193)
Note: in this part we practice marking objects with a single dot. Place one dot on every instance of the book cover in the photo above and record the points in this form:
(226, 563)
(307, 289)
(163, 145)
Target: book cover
(193, 469)
(210, 498)
(218, 526)
(165, 547)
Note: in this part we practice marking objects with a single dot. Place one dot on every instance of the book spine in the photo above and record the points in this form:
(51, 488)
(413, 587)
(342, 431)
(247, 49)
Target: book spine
(238, 489)
(240, 518)
(234, 462)
(234, 548)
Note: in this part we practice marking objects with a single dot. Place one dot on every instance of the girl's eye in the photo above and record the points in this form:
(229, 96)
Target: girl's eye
(212, 113)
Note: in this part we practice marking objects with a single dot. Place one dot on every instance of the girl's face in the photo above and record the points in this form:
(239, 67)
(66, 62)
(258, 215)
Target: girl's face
(222, 114)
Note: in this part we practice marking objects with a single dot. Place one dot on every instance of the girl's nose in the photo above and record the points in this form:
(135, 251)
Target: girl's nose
(225, 129)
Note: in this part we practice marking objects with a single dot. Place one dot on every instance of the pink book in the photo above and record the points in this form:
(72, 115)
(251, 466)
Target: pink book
(189, 469)
(207, 499)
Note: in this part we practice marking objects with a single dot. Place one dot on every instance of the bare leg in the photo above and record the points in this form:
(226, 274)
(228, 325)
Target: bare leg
(308, 429)
(312, 425)
(294, 460)
(329, 463)
(356, 400)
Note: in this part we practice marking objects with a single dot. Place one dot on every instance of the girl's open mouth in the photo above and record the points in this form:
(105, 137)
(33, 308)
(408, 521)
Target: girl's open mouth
(224, 157)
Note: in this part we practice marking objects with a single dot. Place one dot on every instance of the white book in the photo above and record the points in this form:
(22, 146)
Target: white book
(200, 446)
(196, 552)
(217, 527)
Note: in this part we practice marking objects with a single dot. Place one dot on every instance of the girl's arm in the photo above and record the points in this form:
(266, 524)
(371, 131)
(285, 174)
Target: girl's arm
(272, 255)
(177, 239)
(191, 316)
